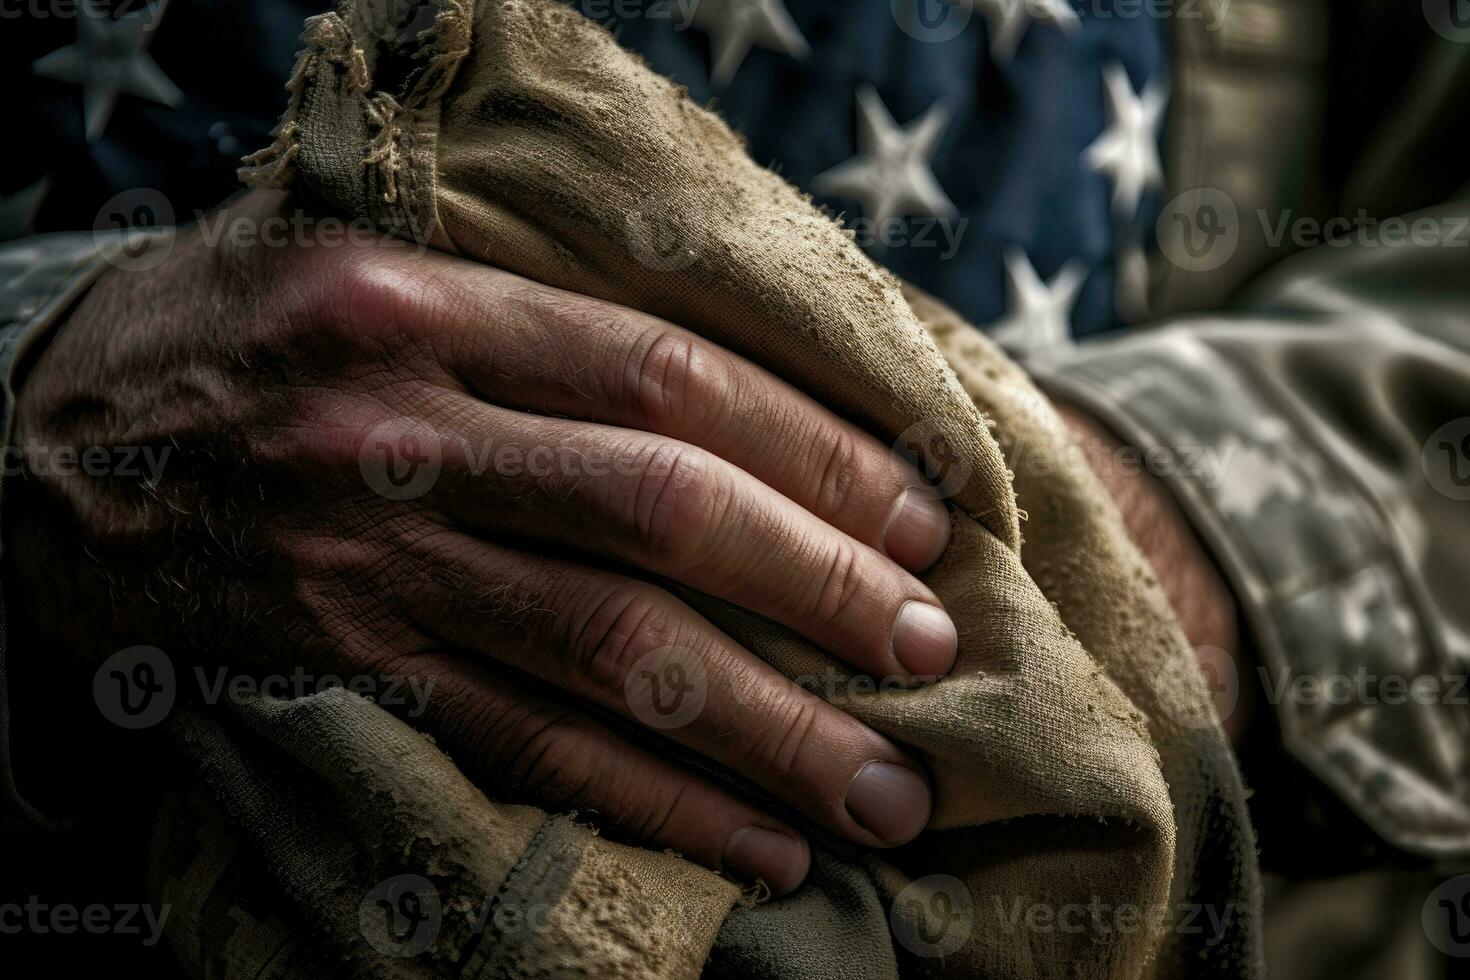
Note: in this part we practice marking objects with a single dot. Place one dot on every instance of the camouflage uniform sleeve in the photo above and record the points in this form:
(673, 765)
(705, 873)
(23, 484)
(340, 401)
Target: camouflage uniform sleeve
(40, 279)
(1319, 438)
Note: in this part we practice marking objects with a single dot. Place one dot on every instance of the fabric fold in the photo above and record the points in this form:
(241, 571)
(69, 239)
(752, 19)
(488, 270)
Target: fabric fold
(1076, 761)
(324, 837)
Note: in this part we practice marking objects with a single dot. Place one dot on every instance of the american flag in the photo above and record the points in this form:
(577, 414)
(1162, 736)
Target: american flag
(1002, 154)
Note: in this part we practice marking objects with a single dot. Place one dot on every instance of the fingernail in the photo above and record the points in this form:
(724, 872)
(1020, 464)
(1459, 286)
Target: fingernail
(889, 801)
(780, 860)
(924, 639)
(918, 530)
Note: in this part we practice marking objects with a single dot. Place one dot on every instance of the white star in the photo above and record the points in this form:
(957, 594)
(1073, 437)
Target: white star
(18, 211)
(1008, 20)
(1128, 150)
(1039, 318)
(891, 173)
(108, 59)
(736, 26)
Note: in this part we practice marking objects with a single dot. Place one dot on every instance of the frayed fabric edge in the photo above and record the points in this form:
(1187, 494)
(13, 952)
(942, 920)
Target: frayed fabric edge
(325, 34)
(445, 45)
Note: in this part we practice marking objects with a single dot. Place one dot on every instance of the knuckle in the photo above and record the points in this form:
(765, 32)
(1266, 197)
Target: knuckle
(836, 470)
(366, 295)
(839, 587)
(572, 340)
(678, 502)
(674, 384)
(538, 749)
(652, 811)
(557, 758)
(784, 737)
(615, 633)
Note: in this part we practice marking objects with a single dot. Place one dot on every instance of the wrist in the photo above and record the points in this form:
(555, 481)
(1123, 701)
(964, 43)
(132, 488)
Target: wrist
(52, 473)
(1199, 595)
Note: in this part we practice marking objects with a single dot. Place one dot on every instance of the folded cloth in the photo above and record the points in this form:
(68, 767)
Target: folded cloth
(1089, 820)
(324, 837)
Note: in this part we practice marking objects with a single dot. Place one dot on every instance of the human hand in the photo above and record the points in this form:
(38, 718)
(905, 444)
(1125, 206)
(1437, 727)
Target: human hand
(387, 463)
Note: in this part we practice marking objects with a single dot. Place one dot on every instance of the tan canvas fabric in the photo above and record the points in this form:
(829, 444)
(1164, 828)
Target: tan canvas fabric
(1079, 554)
(1082, 787)
(327, 838)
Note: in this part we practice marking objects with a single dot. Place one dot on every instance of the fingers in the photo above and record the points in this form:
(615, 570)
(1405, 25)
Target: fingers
(628, 646)
(543, 350)
(532, 749)
(682, 513)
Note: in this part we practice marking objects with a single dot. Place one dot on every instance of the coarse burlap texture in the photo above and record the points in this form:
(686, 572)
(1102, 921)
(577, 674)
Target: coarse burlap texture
(1089, 820)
